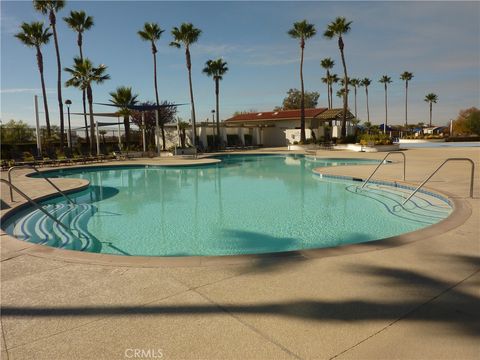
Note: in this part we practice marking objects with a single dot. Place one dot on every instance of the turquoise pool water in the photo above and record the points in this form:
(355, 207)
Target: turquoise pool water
(243, 205)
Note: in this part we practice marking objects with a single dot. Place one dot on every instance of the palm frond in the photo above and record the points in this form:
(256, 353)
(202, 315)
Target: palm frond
(79, 21)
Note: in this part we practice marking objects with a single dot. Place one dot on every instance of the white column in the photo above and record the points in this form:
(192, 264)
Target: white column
(202, 130)
(241, 132)
(256, 136)
(223, 135)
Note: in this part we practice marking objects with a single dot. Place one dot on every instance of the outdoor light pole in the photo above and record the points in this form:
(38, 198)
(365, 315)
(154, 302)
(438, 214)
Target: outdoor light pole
(69, 137)
(143, 132)
(37, 126)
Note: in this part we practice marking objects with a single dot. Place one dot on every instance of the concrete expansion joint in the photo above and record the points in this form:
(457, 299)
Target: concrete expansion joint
(406, 315)
(249, 326)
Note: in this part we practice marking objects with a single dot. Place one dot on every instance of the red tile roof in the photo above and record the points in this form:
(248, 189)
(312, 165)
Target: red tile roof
(277, 115)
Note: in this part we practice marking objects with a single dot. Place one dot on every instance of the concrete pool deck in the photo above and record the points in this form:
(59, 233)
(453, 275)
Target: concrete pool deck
(415, 301)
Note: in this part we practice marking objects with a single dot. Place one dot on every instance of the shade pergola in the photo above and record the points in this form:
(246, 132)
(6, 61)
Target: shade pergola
(99, 124)
(143, 108)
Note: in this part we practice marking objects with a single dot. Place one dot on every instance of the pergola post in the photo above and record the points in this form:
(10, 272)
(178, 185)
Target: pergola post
(119, 137)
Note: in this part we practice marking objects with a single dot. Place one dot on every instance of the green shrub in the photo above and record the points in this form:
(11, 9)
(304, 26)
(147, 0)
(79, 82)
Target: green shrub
(375, 139)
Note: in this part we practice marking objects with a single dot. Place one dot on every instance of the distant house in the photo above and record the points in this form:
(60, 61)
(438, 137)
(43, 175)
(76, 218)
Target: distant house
(273, 128)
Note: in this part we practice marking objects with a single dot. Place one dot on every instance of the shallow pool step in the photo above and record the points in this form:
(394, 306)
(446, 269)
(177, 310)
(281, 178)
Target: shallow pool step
(38, 228)
(422, 208)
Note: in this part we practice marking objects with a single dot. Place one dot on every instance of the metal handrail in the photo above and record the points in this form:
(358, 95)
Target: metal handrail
(43, 177)
(37, 206)
(438, 168)
(382, 162)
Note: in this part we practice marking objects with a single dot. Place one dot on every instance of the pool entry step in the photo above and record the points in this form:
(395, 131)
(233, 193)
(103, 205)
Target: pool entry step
(424, 209)
(38, 228)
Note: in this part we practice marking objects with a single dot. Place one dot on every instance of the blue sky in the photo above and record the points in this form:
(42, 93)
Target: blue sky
(438, 41)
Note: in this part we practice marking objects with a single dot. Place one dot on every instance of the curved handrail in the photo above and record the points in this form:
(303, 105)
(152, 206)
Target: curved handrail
(43, 177)
(35, 204)
(438, 168)
(382, 162)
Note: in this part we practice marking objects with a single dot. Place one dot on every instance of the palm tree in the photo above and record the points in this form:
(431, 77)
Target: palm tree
(355, 83)
(187, 35)
(123, 97)
(35, 35)
(338, 28)
(216, 69)
(366, 83)
(385, 80)
(328, 64)
(431, 98)
(341, 92)
(83, 75)
(152, 32)
(182, 127)
(51, 7)
(302, 30)
(406, 76)
(78, 21)
(333, 80)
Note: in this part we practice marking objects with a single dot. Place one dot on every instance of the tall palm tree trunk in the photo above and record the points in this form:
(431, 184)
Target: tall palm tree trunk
(44, 92)
(331, 96)
(92, 121)
(162, 127)
(355, 90)
(302, 99)
(194, 124)
(328, 89)
(84, 103)
(368, 109)
(345, 95)
(386, 111)
(59, 80)
(430, 123)
(126, 124)
(217, 103)
(406, 103)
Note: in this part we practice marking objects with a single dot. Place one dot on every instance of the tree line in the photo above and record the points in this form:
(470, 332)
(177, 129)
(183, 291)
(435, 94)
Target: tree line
(84, 74)
(337, 29)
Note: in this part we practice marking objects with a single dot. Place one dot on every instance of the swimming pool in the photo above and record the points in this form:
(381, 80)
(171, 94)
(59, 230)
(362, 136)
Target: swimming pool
(243, 205)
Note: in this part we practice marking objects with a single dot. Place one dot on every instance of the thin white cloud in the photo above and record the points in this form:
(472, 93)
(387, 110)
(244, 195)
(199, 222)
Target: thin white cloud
(25, 90)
